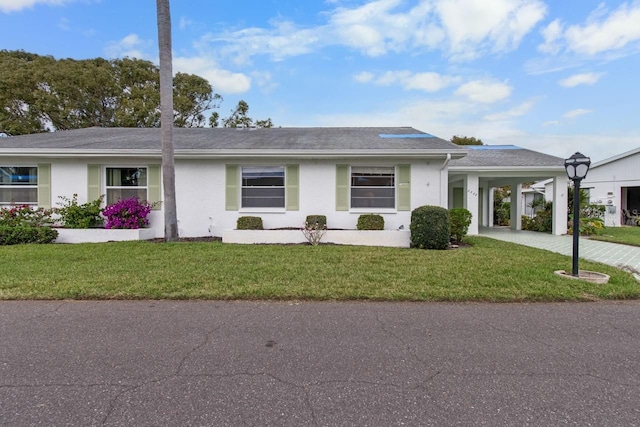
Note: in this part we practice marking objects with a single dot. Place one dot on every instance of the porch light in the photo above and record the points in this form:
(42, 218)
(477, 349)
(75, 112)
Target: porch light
(577, 167)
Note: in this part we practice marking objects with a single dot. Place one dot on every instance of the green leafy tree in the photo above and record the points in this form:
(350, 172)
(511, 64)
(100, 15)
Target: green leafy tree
(466, 140)
(239, 118)
(39, 93)
(193, 95)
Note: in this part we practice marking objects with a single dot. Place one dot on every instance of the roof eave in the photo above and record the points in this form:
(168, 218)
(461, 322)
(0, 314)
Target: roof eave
(559, 168)
(237, 153)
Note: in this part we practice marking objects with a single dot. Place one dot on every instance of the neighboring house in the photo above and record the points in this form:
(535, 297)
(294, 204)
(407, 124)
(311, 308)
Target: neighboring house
(615, 183)
(279, 174)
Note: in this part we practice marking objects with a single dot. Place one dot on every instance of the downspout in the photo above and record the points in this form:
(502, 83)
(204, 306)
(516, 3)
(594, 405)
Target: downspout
(446, 161)
(444, 182)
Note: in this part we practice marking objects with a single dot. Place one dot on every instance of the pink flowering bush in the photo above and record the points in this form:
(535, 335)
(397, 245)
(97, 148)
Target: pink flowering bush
(127, 213)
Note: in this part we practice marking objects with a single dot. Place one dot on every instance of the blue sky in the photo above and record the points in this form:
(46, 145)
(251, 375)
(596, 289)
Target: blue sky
(553, 76)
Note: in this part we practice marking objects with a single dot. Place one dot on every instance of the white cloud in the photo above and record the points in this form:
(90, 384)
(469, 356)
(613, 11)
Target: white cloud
(517, 111)
(131, 46)
(364, 77)
(603, 32)
(223, 81)
(485, 91)
(474, 26)
(264, 81)
(184, 23)
(550, 123)
(580, 79)
(551, 34)
(8, 6)
(427, 81)
(461, 29)
(576, 113)
(285, 39)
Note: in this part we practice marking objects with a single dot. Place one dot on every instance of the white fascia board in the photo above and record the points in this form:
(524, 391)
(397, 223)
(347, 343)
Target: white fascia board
(504, 171)
(616, 157)
(234, 154)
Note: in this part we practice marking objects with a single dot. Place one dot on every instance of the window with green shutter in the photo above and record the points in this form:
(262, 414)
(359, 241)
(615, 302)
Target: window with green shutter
(20, 185)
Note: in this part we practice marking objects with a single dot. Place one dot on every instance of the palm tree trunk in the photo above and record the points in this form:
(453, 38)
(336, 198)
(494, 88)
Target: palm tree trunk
(166, 121)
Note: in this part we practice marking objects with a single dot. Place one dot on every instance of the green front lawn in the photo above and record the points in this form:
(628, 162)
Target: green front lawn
(627, 234)
(489, 270)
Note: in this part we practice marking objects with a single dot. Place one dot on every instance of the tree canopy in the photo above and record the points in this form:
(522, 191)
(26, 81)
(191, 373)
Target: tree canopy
(466, 140)
(39, 93)
(239, 118)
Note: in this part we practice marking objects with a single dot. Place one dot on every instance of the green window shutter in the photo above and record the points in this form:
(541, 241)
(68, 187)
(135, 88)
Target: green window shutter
(232, 187)
(94, 181)
(293, 187)
(154, 193)
(44, 186)
(404, 187)
(342, 187)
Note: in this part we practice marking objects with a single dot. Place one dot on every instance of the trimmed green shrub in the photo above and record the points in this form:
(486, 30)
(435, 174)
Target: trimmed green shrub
(430, 227)
(370, 222)
(459, 219)
(25, 234)
(321, 220)
(249, 223)
(86, 215)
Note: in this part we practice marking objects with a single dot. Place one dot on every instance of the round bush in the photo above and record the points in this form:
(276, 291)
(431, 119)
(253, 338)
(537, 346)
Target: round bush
(430, 227)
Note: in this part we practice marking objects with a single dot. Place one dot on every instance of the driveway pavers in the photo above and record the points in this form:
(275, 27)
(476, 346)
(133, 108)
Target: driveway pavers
(614, 254)
(118, 363)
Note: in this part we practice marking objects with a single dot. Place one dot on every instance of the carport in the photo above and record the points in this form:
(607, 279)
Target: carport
(473, 178)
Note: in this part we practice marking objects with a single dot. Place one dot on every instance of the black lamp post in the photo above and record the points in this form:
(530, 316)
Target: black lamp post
(577, 167)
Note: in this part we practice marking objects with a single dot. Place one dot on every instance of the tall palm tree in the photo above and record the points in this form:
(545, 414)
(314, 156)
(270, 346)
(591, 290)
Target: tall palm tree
(166, 119)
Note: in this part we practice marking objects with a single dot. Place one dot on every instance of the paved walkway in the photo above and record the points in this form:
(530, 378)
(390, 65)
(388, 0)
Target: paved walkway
(617, 255)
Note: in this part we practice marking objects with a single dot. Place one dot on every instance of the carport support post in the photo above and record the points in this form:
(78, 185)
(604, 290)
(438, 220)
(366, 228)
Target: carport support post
(490, 206)
(516, 206)
(471, 192)
(560, 207)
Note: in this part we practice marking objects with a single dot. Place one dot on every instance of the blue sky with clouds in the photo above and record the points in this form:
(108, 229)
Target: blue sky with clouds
(553, 76)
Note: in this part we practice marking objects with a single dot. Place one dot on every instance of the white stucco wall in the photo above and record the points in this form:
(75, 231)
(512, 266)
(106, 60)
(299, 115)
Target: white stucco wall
(200, 193)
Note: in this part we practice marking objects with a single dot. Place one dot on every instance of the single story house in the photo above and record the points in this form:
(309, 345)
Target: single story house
(279, 174)
(615, 183)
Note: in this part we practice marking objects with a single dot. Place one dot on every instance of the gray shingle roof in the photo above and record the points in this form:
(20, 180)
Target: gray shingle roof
(505, 156)
(290, 139)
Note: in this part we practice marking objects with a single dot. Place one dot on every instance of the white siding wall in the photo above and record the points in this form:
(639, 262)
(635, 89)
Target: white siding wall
(200, 193)
(611, 178)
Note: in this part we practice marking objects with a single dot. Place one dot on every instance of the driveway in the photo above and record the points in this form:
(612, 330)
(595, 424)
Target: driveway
(296, 364)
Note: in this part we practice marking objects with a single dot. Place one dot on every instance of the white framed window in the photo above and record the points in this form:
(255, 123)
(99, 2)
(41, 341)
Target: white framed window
(18, 185)
(373, 187)
(125, 183)
(263, 187)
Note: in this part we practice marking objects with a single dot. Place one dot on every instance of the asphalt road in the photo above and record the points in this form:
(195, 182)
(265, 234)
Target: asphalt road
(297, 364)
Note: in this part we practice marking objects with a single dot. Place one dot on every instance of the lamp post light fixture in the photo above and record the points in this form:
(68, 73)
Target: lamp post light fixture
(577, 167)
